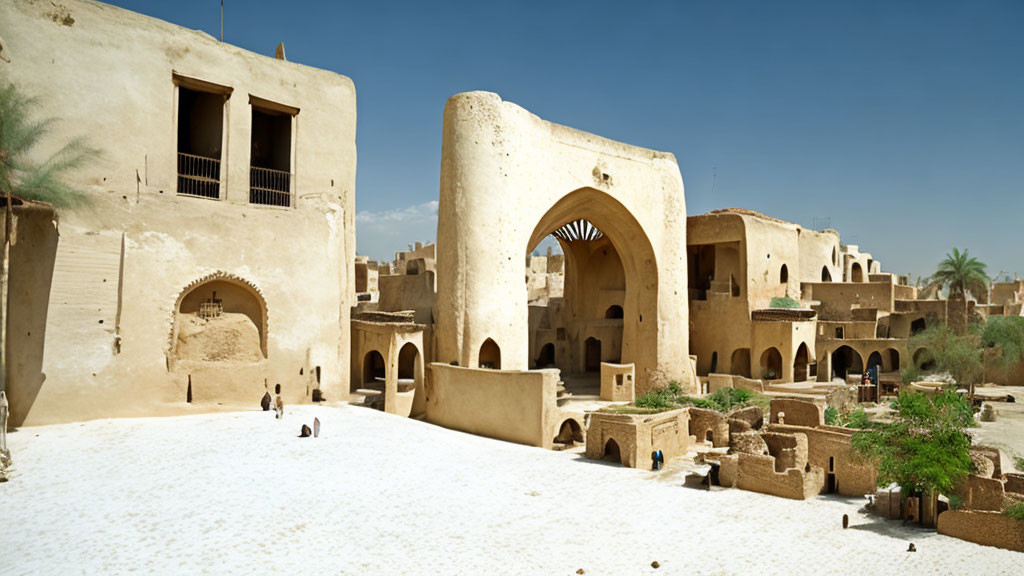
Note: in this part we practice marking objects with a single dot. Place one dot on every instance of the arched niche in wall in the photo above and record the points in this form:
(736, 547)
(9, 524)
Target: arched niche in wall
(220, 317)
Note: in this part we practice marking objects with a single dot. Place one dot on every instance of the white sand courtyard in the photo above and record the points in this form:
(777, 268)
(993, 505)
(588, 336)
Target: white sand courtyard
(377, 494)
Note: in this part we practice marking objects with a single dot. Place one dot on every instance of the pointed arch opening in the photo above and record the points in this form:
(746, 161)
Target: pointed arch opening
(490, 355)
(611, 273)
(800, 363)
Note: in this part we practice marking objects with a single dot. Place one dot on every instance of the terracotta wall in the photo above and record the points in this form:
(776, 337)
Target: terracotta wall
(986, 528)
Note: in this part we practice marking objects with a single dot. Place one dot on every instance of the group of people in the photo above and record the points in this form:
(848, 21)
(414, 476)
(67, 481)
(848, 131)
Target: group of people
(277, 401)
(278, 404)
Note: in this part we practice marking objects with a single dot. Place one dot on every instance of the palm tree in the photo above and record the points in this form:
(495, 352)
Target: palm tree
(962, 275)
(23, 176)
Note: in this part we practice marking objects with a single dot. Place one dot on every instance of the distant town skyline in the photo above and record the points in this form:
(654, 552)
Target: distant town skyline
(896, 123)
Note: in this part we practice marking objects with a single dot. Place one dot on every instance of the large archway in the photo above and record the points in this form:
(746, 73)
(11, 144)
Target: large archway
(610, 285)
(800, 363)
(219, 318)
(846, 361)
(771, 364)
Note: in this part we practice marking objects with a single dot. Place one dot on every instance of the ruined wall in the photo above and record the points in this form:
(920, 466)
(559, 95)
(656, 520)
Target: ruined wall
(758, 474)
(831, 446)
(508, 179)
(125, 256)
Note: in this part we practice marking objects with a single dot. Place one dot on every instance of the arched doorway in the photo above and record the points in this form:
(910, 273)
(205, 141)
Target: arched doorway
(408, 367)
(771, 364)
(800, 363)
(783, 274)
(874, 359)
(592, 355)
(892, 363)
(220, 318)
(374, 370)
(856, 273)
(612, 453)
(740, 362)
(546, 358)
(490, 355)
(846, 361)
(569, 433)
(826, 276)
(607, 252)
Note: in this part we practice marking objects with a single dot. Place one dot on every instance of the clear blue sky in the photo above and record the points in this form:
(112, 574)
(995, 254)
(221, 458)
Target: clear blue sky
(902, 122)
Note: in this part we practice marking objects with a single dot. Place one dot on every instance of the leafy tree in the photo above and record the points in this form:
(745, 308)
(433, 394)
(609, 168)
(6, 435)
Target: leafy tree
(925, 447)
(958, 354)
(1005, 334)
(961, 275)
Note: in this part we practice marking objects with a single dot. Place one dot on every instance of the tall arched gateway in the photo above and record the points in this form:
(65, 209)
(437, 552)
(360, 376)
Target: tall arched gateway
(508, 179)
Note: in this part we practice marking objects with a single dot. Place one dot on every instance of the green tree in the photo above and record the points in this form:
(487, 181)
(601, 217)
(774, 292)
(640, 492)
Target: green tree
(960, 355)
(22, 174)
(924, 449)
(1004, 335)
(961, 275)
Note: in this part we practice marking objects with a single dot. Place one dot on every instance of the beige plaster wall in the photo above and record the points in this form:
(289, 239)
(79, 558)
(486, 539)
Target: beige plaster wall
(508, 178)
(512, 405)
(819, 251)
(123, 259)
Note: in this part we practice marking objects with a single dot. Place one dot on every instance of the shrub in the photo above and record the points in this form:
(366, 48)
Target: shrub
(858, 419)
(783, 302)
(656, 400)
(1018, 463)
(831, 416)
(1015, 511)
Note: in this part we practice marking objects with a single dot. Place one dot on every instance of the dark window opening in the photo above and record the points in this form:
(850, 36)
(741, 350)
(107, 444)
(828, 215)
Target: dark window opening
(200, 132)
(613, 312)
(270, 178)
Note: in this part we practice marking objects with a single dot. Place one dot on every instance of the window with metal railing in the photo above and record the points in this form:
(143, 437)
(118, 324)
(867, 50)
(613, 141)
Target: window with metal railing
(200, 141)
(270, 174)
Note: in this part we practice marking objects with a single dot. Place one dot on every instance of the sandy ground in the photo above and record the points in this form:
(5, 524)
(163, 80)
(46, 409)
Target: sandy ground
(377, 494)
(1007, 432)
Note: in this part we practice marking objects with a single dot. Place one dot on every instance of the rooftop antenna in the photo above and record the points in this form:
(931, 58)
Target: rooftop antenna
(221, 20)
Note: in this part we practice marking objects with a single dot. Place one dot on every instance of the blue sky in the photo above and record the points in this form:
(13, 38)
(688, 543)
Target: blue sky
(902, 123)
